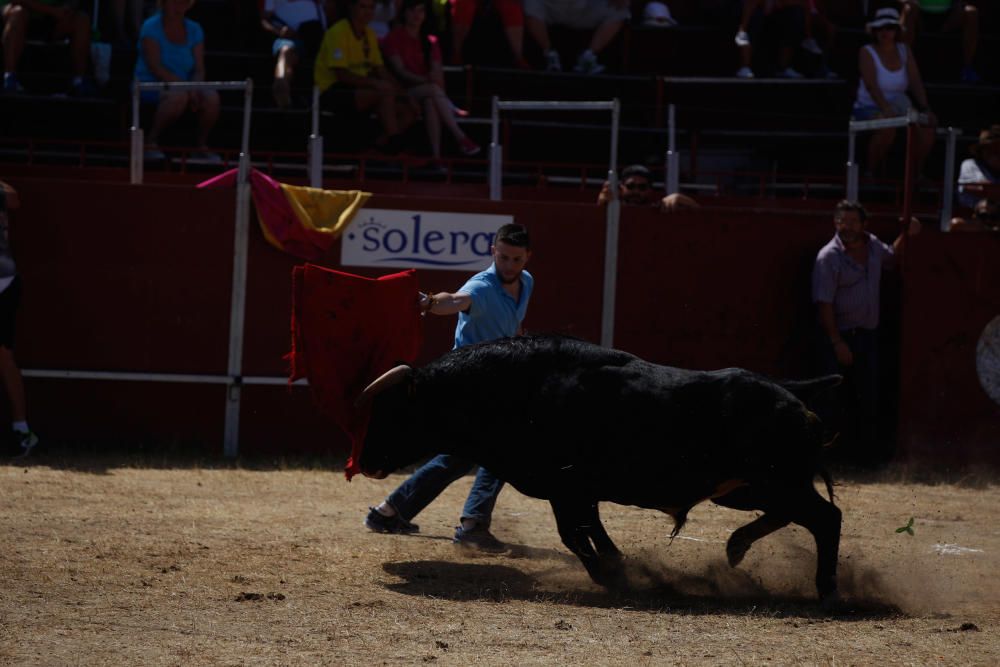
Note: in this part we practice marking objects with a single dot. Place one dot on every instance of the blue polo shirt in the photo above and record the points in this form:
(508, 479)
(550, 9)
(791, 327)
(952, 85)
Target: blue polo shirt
(494, 313)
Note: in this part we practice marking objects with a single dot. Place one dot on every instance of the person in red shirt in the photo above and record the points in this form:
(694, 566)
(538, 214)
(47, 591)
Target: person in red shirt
(415, 59)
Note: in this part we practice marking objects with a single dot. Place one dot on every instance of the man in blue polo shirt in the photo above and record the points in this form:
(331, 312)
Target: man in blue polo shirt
(490, 305)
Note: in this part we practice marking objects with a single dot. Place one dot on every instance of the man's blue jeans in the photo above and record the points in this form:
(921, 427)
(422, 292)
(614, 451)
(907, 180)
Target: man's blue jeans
(433, 477)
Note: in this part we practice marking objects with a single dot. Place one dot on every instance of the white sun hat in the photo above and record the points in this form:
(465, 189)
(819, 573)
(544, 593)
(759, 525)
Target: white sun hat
(657, 15)
(884, 16)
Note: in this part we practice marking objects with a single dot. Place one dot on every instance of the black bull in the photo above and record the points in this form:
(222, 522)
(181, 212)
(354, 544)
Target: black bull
(577, 424)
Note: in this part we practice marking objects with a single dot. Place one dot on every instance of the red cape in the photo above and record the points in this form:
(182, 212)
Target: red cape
(346, 331)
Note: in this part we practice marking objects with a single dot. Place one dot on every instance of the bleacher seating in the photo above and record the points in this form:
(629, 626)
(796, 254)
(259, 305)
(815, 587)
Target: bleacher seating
(725, 124)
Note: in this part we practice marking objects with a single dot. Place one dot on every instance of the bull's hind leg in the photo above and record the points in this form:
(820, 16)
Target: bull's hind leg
(579, 524)
(744, 536)
(821, 518)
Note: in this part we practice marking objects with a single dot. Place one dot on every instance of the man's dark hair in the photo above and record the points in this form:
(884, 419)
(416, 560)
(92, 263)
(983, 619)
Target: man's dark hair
(847, 205)
(636, 170)
(513, 234)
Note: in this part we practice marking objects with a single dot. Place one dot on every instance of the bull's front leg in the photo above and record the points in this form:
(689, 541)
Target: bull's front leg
(582, 532)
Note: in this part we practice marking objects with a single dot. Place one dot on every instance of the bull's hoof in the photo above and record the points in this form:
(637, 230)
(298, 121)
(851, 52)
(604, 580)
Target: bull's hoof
(736, 549)
(830, 600)
(611, 574)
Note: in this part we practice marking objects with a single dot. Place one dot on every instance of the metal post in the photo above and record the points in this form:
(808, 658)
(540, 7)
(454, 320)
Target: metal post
(910, 168)
(136, 136)
(237, 310)
(615, 120)
(496, 164)
(315, 148)
(610, 286)
(852, 165)
(672, 182)
(949, 179)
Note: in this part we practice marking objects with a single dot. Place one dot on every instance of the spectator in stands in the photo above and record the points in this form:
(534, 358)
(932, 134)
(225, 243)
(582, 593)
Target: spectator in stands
(845, 288)
(511, 16)
(127, 15)
(10, 296)
(947, 16)
(985, 218)
(605, 17)
(386, 12)
(52, 19)
(784, 18)
(298, 26)
(172, 48)
(981, 170)
(414, 58)
(888, 73)
(351, 74)
(635, 188)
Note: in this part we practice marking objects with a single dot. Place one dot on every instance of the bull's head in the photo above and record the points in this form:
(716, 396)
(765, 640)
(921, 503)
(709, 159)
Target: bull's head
(392, 439)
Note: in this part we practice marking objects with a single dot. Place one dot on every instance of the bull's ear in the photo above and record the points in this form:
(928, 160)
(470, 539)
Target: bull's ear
(808, 390)
(388, 379)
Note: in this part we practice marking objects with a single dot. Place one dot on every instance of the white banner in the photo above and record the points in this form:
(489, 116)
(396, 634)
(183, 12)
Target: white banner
(420, 239)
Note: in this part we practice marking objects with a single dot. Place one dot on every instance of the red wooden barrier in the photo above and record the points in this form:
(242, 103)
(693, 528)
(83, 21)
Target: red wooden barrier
(130, 278)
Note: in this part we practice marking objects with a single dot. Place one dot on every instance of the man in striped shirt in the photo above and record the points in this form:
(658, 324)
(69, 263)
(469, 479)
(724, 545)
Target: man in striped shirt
(846, 281)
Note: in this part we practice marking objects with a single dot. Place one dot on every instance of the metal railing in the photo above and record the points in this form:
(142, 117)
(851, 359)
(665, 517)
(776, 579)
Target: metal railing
(241, 236)
(911, 120)
(614, 205)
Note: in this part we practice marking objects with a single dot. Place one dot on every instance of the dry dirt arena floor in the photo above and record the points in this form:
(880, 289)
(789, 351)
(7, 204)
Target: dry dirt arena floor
(130, 565)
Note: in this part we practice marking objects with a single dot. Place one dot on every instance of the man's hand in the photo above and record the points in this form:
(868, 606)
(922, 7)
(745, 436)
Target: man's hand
(844, 355)
(914, 227)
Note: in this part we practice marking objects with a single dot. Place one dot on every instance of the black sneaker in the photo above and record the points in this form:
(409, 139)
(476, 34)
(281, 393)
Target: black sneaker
(380, 523)
(478, 538)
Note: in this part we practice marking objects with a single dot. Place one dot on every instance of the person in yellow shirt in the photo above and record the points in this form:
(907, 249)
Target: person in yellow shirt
(352, 78)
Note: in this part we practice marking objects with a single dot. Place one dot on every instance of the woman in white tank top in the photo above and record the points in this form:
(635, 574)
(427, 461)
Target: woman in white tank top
(889, 76)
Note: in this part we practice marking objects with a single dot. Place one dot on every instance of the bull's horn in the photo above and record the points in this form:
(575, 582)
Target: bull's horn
(388, 379)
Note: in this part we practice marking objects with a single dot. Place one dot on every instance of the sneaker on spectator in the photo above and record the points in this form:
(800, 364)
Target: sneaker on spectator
(154, 154)
(587, 63)
(468, 147)
(825, 72)
(11, 84)
(812, 46)
(380, 523)
(742, 38)
(204, 155)
(744, 73)
(552, 61)
(478, 538)
(85, 87)
(26, 441)
(789, 73)
(969, 75)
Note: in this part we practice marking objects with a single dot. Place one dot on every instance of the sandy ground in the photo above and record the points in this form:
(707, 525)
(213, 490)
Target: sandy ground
(111, 563)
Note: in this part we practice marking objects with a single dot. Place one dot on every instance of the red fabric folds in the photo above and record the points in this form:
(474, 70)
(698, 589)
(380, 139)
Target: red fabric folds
(346, 331)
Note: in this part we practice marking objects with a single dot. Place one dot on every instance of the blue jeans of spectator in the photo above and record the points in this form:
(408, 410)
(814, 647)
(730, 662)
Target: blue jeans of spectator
(427, 483)
(861, 390)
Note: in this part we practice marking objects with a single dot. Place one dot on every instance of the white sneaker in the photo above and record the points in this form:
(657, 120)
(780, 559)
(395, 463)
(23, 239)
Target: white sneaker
(789, 73)
(742, 38)
(27, 441)
(744, 73)
(812, 46)
(552, 62)
(587, 63)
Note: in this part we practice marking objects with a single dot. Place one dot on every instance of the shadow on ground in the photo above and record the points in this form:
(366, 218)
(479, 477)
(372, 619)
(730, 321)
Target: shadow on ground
(713, 592)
